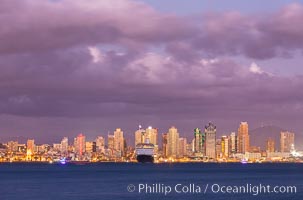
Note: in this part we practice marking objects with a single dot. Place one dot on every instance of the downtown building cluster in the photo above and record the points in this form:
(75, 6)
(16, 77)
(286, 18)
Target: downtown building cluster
(204, 146)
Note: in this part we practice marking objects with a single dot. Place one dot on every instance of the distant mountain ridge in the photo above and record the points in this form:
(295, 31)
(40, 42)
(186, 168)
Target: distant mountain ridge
(260, 135)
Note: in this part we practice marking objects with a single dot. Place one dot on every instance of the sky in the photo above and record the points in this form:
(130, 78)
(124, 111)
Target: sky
(90, 66)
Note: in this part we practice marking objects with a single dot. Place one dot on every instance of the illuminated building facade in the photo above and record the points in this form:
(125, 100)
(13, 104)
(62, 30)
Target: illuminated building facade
(172, 142)
(243, 138)
(287, 139)
(210, 140)
(270, 145)
(79, 144)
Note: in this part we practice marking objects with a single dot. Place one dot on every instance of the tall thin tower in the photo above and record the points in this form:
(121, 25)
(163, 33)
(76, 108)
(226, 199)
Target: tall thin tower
(243, 138)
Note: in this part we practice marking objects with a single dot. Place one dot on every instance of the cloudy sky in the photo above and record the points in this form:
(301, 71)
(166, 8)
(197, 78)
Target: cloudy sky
(70, 66)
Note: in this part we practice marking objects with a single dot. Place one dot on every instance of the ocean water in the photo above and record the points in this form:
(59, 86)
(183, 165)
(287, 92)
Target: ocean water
(102, 181)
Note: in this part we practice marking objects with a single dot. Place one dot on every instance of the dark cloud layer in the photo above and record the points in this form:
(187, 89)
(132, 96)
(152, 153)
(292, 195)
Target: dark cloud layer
(255, 36)
(99, 65)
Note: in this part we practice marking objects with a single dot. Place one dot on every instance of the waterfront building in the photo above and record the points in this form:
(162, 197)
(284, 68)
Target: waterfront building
(110, 142)
(225, 146)
(30, 145)
(139, 136)
(219, 153)
(255, 149)
(278, 155)
(12, 146)
(252, 156)
(100, 144)
(243, 138)
(64, 145)
(182, 147)
(172, 142)
(210, 140)
(233, 143)
(270, 145)
(79, 143)
(152, 134)
(88, 146)
(119, 141)
(164, 144)
(199, 142)
(287, 139)
(56, 147)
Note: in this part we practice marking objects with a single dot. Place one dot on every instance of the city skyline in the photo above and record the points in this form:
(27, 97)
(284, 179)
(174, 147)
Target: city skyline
(71, 66)
(203, 146)
(199, 135)
(129, 135)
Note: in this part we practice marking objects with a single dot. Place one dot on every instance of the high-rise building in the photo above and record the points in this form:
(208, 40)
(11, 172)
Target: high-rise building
(270, 145)
(149, 135)
(225, 146)
(110, 142)
(152, 134)
(89, 147)
(94, 147)
(100, 144)
(287, 139)
(172, 142)
(12, 146)
(192, 146)
(164, 144)
(64, 145)
(243, 138)
(233, 143)
(182, 147)
(189, 149)
(210, 140)
(21, 148)
(119, 141)
(79, 144)
(199, 141)
(139, 136)
(30, 146)
(219, 153)
(56, 147)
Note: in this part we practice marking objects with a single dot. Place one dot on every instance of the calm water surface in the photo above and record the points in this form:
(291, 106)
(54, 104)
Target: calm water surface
(111, 180)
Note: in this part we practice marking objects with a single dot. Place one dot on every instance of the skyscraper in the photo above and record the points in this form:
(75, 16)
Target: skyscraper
(89, 147)
(287, 139)
(64, 145)
(172, 142)
(270, 145)
(225, 146)
(243, 138)
(110, 142)
(30, 146)
(219, 153)
(12, 146)
(119, 141)
(79, 144)
(100, 144)
(233, 143)
(152, 134)
(210, 140)
(199, 142)
(139, 136)
(182, 147)
(164, 144)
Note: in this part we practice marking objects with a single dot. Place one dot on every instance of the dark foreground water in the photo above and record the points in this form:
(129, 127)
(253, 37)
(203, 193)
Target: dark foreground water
(149, 181)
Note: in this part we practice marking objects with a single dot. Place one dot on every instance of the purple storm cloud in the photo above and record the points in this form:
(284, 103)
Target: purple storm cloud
(68, 66)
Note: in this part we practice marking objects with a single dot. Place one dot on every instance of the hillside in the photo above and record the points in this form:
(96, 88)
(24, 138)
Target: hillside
(259, 136)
